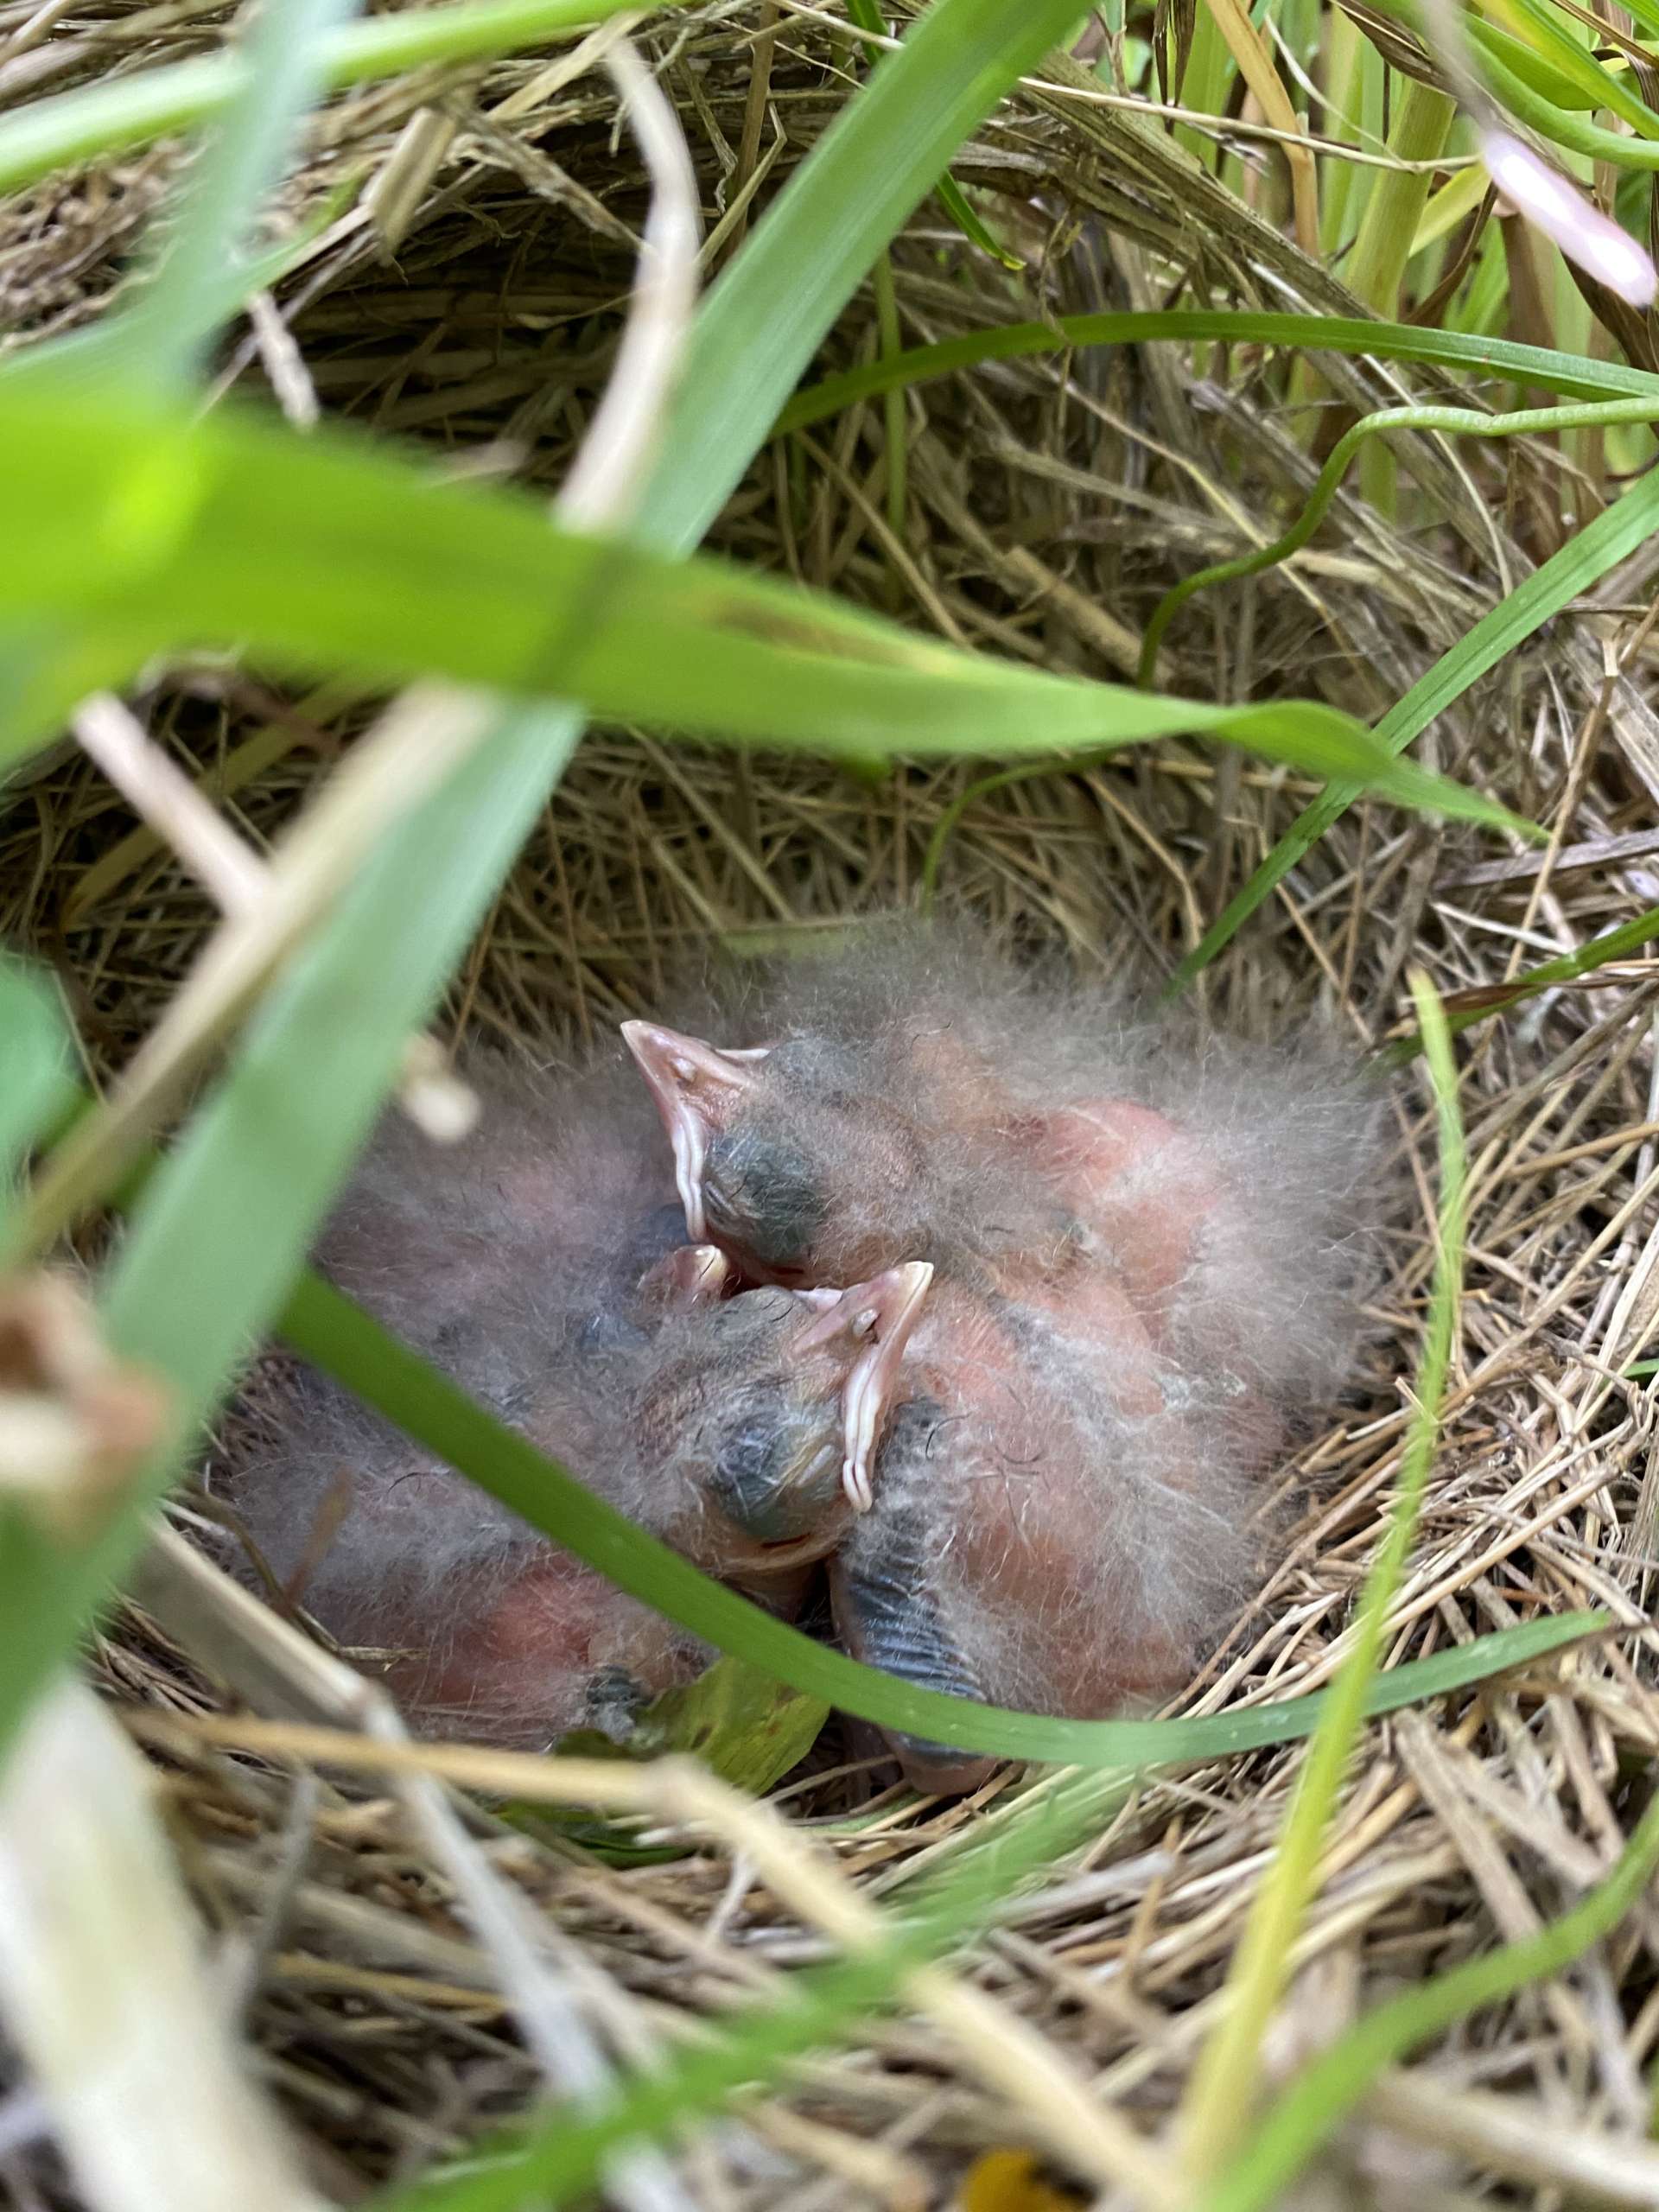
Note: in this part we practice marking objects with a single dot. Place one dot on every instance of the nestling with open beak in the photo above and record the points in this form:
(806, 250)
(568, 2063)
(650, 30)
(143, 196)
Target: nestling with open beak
(755, 1423)
(759, 1136)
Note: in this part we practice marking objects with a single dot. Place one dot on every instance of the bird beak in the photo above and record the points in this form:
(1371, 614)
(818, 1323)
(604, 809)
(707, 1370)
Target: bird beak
(875, 1319)
(695, 1085)
(695, 1274)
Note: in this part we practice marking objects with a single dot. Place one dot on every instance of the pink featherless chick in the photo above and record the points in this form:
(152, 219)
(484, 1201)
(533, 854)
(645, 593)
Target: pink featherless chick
(923, 1096)
(737, 1429)
(725, 1427)
(1060, 1521)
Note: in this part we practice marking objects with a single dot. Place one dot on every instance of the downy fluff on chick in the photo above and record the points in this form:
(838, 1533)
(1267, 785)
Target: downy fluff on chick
(1032, 1481)
(1151, 1244)
(923, 1097)
(1061, 1516)
(537, 1265)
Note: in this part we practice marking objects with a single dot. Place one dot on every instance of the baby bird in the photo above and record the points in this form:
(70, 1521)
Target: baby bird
(923, 1097)
(751, 1425)
(478, 1626)
(790, 1157)
(1060, 1516)
(739, 1429)
(723, 1427)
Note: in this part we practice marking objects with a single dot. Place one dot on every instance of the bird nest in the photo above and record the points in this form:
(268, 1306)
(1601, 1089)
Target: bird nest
(468, 248)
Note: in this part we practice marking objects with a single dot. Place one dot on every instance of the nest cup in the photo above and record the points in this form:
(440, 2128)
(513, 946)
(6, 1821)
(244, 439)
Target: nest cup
(1048, 504)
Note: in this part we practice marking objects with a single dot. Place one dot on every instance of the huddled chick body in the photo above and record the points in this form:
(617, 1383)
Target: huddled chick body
(1151, 1243)
(536, 1264)
(1148, 1247)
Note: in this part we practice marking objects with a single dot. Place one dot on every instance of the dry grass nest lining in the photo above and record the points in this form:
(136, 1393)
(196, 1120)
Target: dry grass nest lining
(1051, 502)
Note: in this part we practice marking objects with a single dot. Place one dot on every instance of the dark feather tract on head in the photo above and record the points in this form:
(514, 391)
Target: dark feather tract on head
(985, 1292)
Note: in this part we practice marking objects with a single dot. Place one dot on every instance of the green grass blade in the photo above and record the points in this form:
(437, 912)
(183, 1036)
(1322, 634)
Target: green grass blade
(1559, 124)
(46, 668)
(1599, 546)
(1566, 967)
(1573, 374)
(165, 332)
(867, 14)
(225, 1221)
(96, 355)
(35, 1055)
(154, 348)
(322, 552)
(329, 1329)
(561, 2160)
(1450, 421)
(1594, 86)
(1561, 88)
(1420, 123)
(135, 110)
(1326, 2092)
(46, 665)
(1224, 2081)
(959, 208)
